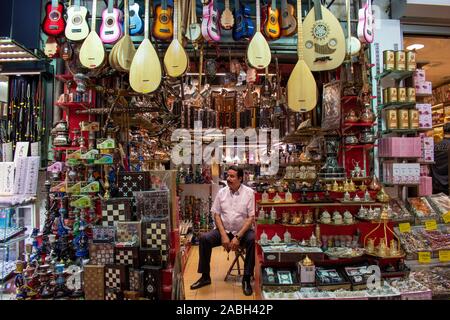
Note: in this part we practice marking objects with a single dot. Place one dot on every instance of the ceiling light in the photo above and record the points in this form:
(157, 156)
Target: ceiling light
(415, 46)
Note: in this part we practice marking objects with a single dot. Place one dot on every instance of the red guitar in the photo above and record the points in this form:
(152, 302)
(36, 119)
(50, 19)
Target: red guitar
(54, 23)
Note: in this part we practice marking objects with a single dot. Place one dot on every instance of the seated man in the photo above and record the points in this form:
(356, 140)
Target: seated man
(234, 212)
(439, 171)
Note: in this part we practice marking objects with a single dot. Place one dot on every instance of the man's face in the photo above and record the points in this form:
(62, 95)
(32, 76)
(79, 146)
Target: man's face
(233, 180)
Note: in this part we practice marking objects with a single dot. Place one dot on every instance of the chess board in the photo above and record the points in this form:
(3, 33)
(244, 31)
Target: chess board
(113, 294)
(103, 234)
(136, 279)
(116, 276)
(155, 234)
(150, 257)
(152, 282)
(127, 256)
(101, 253)
(94, 282)
(152, 204)
(126, 230)
(115, 210)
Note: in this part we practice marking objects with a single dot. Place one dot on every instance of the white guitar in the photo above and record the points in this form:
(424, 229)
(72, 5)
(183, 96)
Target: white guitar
(77, 27)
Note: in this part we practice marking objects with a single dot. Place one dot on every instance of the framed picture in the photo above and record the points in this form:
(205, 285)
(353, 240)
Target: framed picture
(331, 113)
(284, 277)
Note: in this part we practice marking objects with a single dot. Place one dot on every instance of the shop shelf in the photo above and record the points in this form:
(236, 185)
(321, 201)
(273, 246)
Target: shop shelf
(72, 104)
(398, 105)
(359, 146)
(424, 95)
(401, 184)
(358, 124)
(66, 148)
(13, 241)
(395, 75)
(406, 131)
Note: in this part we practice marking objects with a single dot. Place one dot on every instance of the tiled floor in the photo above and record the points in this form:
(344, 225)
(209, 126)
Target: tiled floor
(219, 289)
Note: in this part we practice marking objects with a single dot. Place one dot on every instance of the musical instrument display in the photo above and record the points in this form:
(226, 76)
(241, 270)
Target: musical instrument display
(163, 24)
(54, 24)
(77, 27)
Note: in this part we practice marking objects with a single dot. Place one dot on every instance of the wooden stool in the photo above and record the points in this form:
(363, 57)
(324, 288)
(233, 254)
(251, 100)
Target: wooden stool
(239, 253)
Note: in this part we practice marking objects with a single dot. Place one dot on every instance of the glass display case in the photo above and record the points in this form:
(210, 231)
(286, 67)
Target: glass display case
(16, 224)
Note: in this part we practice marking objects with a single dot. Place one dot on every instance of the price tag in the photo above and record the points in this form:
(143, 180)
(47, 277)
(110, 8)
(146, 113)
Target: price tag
(446, 217)
(430, 225)
(404, 227)
(424, 257)
(444, 255)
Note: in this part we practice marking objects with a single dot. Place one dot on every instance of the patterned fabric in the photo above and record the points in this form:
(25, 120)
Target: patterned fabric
(94, 282)
(115, 210)
(152, 204)
(101, 253)
(155, 234)
(127, 256)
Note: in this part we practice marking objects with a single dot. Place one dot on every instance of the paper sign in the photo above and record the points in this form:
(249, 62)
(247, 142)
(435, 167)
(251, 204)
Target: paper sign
(32, 175)
(21, 175)
(446, 217)
(424, 257)
(7, 152)
(6, 178)
(21, 151)
(404, 227)
(444, 255)
(430, 225)
(36, 149)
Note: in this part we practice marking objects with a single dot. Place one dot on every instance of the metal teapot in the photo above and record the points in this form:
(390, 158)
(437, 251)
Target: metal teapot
(351, 116)
(367, 115)
(367, 136)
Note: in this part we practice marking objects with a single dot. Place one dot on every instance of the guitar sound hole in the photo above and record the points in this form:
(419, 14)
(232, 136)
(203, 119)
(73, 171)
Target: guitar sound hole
(54, 15)
(76, 20)
(163, 19)
(273, 20)
(132, 13)
(109, 22)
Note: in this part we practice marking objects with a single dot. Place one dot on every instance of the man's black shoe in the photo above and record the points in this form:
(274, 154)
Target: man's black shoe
(247, 287)
(201, 283)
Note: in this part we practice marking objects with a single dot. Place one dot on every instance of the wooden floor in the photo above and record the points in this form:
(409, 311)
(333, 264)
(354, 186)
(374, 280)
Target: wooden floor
(219, 289)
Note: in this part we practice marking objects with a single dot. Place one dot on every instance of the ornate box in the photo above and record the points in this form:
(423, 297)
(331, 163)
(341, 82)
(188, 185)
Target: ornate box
(94, 282)
(150, 257)
(136, 280)
(155, 234)
(115, 210)
(103, 234)
(152, 282)
(129, 182)
(101, 253)
(127, 256)
(131, 295)
(127, 229)
(152, 204)
(116, 276)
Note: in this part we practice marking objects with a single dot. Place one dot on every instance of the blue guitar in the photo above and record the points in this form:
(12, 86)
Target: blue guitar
(136, 23)
(243, 27)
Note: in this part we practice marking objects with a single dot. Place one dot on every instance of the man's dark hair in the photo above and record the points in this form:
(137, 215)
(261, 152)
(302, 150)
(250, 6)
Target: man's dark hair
(447, 127)
(240, 172)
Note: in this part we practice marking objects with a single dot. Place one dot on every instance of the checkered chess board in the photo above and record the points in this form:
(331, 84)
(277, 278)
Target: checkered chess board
(152, 204)
(115, 210)
(101, 253)
(127, 256)
(155, 234)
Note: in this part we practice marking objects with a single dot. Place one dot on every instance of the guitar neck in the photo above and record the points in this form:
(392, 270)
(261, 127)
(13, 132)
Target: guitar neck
(146, 25)
(175, 19)
(299, 30)
(283, 5)
(227, 4)
(126, 22)
(258, 17)
(54, 4)
(349, 30)
(94, 15)
(77, 4)
(274, 5)
(110, 6)
(317, 10)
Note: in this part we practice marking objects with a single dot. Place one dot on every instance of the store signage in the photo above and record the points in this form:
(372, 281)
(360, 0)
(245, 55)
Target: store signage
(21, 151)
(430, 225)
(35, 149)
(446, 217)
(404, 227)
(444, 255)
(6, 178)
(424, 257)
(7, 152)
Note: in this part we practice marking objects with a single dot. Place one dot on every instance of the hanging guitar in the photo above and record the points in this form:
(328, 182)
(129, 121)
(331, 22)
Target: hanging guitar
(77, 27)
(324, 39)
(111, 27)
(136, 23)
(365, 23)
(288, 21)
(163, 25)
(194, 30)
(258, 50)
(54, 24)
(243, 26)
(226, 18)
(271, 26)
(210, 22)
